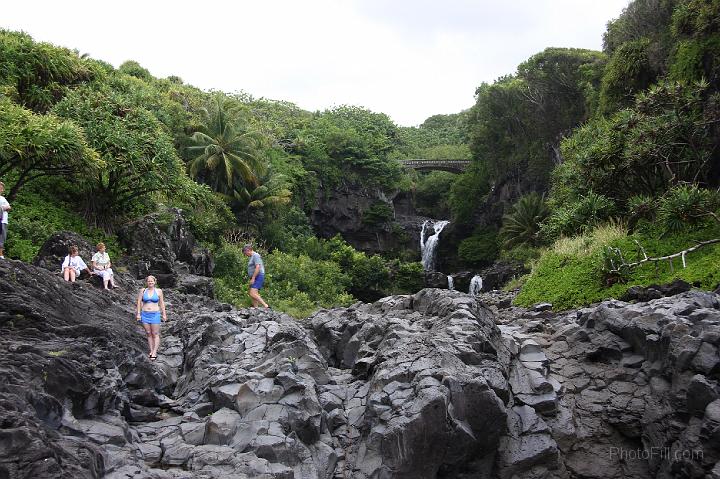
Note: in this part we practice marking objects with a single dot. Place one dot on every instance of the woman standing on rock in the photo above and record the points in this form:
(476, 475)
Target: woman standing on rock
(150, 305)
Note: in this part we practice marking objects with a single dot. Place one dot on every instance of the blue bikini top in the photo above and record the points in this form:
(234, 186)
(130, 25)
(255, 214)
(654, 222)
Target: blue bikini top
(150, 299)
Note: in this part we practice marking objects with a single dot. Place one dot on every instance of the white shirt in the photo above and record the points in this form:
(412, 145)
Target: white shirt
(74, 262)
(101, 259)
(3, 204)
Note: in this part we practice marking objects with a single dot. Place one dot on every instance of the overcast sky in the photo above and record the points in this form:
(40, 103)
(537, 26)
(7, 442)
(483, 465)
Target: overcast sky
(407, 58)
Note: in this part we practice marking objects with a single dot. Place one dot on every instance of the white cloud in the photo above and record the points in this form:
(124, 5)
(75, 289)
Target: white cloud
(409, 59)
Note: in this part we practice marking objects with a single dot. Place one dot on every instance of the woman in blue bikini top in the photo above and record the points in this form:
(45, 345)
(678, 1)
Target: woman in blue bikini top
(150, 304)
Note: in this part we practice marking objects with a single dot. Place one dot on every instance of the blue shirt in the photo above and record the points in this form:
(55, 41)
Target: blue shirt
(255, 259)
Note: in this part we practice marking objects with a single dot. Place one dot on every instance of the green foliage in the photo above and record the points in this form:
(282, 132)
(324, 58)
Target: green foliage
(664, 140)
(377, 214)
(432, 193)
(34, 146)
(641, 19)
(38, 213)
(522, 225)
(628, 72)
(569, 280)
(641, 207)
(350, 144)
(407, 277)
(289, 230)
(440, 137)
(134, 69)
(138, 154)
(369, 275)
(479, 249)
(696, 28)
(295, 284)
(577, 217)
(208, 215)
(522, 253)
(685, 207)
(256, 201)
(467, 192)
(225, 153)
(37, 75)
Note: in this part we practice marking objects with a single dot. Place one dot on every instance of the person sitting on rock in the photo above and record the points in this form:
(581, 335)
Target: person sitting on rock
(73, 265)
(150, 304)
(101, 266)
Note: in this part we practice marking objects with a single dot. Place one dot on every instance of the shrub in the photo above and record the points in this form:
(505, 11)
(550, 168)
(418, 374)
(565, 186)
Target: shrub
(378, 213)
(36, 216)
(295, 284)
(522, 225)
(479, 249)
(591, 210)
(407, 278)
(686, 206)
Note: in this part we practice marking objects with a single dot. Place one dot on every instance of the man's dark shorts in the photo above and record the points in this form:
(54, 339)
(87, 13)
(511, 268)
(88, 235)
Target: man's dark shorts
(259, 281)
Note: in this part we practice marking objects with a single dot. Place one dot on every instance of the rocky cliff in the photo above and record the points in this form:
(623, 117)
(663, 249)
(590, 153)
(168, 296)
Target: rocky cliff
(431, 385)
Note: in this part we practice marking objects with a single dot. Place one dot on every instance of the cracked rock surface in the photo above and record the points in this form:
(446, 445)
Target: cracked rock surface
(436, 384)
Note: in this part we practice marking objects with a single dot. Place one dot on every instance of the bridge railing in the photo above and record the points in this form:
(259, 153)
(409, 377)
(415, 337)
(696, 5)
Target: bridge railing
(440, 164)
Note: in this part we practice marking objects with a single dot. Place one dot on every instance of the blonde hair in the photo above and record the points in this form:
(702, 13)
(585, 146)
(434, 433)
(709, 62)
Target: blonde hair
(100, 245)
(150, 276)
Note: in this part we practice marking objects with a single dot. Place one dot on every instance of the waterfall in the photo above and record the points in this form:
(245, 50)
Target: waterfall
(451, 283)
(427, 247)
(476, 285)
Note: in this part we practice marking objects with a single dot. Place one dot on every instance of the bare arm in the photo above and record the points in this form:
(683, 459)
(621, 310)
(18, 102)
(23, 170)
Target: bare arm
(139, 304)
(257, 272)
(162, 305)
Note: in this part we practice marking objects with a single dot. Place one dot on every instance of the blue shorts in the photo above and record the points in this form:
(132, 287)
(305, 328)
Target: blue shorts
(259, 281)
(150, 317)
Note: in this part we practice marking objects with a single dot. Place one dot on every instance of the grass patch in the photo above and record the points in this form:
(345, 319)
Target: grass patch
(569, 275)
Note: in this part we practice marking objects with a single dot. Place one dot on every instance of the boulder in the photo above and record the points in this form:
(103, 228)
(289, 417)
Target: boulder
(158, 241)
(656, 291)
(53, 252)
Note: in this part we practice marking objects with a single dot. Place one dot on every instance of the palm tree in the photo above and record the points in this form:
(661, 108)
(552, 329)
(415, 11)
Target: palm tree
(225, 152)
(522, 224)
(270, 190)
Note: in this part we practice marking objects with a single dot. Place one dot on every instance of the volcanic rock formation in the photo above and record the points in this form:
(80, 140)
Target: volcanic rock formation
(436, 384)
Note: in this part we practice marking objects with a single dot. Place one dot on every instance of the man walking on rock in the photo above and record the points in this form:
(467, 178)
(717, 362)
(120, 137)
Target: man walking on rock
(256, 271)
(4, 208)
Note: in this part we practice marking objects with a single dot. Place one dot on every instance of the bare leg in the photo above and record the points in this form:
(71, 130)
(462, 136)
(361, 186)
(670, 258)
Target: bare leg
(105, 282)
(66, 274)
(148, 332)
(112, 281)
(256, 298)
(156, 338)
(72, 275)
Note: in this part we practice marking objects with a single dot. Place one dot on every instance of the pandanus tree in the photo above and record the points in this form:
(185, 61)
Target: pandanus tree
(33, 146)
(225, 153)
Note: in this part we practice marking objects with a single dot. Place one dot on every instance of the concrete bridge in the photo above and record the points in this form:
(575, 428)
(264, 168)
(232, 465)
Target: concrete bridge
(454, 166)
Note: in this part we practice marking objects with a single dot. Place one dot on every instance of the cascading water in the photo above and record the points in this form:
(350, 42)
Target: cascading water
(427, 247)
(451, 283)
(476, 285)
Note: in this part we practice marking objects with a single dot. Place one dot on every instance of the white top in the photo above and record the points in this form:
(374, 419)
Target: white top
(4, 204)
(101, 259)
(74, 262)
